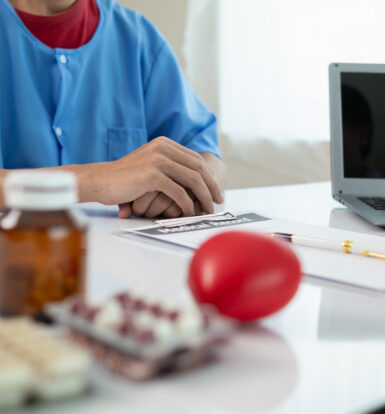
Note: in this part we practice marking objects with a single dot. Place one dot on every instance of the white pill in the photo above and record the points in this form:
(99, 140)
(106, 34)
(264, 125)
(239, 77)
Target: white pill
(164, 331)
(144, 320)
(110, 315)
(190, 323)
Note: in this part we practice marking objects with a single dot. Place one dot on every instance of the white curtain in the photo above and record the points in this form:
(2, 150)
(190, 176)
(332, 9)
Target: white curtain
(201, 49)
(271, 73)
(274, 56)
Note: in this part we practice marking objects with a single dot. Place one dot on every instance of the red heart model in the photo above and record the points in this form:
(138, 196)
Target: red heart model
(245, 275)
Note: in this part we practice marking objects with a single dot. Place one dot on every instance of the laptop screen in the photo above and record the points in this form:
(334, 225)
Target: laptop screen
(363, 124)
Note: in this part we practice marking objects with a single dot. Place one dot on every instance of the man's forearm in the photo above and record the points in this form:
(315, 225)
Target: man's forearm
(84, 175)
(147, 170)
(86, 178)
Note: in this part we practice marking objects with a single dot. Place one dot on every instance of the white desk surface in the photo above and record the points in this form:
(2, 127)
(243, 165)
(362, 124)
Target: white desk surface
(324, 353)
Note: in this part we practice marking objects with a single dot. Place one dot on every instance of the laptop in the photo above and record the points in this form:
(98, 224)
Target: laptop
(357, 124)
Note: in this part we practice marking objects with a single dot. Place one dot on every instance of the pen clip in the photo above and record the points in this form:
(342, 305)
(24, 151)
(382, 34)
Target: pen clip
(190, 220)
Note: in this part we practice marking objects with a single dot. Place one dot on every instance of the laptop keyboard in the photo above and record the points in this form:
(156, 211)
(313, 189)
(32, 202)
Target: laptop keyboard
(377, 203)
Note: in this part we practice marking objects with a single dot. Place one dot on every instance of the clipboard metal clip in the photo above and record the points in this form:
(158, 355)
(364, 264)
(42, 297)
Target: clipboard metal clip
(191, 220)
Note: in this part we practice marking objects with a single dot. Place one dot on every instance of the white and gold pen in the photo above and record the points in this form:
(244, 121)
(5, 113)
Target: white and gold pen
(345, 246)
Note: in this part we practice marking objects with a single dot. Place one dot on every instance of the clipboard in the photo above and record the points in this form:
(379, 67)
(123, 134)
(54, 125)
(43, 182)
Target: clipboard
(190, 220)
(348, 270)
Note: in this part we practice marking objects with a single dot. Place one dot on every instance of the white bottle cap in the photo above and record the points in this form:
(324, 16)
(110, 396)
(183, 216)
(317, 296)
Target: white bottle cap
(40, 190)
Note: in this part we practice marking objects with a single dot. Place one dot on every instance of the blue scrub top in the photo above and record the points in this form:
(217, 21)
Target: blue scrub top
(98, 102)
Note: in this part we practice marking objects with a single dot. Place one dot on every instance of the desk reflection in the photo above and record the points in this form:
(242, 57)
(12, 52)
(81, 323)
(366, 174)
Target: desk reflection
(345, 219)
(257, 362)
(349, 315)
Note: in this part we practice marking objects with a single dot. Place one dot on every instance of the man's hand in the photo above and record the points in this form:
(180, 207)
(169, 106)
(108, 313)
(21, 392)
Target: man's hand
(157, 204)
(161, 171)
(153, 205)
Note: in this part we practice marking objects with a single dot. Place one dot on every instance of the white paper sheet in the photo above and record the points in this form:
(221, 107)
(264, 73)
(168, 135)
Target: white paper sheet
(354, 270)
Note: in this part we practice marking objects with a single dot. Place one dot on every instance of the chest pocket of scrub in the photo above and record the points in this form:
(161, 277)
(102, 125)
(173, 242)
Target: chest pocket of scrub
(123, 141)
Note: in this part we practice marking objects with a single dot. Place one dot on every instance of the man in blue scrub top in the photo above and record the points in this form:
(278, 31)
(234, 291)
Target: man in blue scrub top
(103, 111)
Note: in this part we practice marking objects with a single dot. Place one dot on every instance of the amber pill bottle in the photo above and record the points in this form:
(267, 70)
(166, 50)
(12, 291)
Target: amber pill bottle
(42, 242)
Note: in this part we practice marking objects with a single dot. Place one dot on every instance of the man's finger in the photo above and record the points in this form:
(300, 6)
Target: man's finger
(141, 205)
(125, 210)
(192, 180)
(160, 203)
(172, 212)
(174, 191)
(198, 208)
(195, 162)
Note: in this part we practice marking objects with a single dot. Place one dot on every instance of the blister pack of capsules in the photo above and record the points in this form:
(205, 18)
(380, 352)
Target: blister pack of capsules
(139, 338)
(37, 366)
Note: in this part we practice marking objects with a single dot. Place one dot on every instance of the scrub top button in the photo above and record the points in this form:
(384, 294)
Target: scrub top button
(58, 131)
(63, 59)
